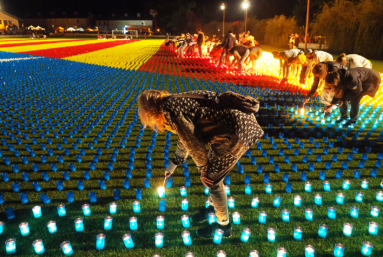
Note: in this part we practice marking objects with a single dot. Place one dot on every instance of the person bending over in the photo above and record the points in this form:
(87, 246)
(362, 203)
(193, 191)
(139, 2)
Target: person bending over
(227, 44)
(283, 57)
(353, 61)
(198, 123)
(313, 57)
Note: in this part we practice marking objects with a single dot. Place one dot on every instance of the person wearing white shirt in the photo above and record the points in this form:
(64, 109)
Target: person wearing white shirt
(313, 57)
(354, 61)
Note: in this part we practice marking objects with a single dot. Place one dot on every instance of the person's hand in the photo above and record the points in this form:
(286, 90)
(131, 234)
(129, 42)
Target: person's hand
(340, 103)
(170, 169)
(306, 100)
(206, 181)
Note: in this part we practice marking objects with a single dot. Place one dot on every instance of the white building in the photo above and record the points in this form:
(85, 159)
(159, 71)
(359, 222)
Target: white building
(8, 20)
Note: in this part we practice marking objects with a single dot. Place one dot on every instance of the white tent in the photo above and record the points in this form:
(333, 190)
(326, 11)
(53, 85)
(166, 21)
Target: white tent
(70, 29)
(31, 27)
(80, 29)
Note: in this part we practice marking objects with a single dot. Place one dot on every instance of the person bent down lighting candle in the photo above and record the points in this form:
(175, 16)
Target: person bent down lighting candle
(163, 111)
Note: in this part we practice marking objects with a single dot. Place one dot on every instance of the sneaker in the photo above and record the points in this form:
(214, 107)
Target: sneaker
(209, 230)
(340, 120)
(349, 123)
(202, 215)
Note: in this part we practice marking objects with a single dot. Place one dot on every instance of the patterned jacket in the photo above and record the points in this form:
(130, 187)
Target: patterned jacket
(198, 122)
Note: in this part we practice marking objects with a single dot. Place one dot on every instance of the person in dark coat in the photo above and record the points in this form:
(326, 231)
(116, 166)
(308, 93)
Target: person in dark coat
(354, 83)
(240, 53)
(227, 44)
(198, 123)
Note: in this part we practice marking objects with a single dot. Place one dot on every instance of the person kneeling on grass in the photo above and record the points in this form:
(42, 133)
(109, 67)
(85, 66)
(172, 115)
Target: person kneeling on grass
(354, 85)
(201, 118)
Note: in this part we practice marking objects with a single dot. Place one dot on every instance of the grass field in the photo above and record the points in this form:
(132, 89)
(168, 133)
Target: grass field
(89, 102)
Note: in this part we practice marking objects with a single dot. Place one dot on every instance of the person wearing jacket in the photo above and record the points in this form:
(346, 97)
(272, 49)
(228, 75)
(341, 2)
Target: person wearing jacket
(198, 123)
(200, 41)
(313, 57)
(353, 84)
(186, 43)
(283, 60)
(240, 53)
(227, 44)
(353, 61)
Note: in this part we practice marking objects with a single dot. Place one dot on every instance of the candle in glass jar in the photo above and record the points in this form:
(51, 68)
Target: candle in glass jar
(86, 209)
(207, 203)
(52, 227)
(339, 198)
(227, 189)
(211, 217)
(331, 213)
(254, 253)
(185, 221)
(286, 215)
(160, 222)
(338, 250)
(218, 234)
(309, 214)
(66, 247)
(281, 252)
(184, 204)
(136, 207)
(159, 240)
(277, 201)
(308, 187)
(10, 246)
(24, 228)
(100, 241)
(133, 223)
(189, 254)
(379, 196)
(248, 189)
(206, 191)
(231, 202)
(36, 211)
(375, 211)
(236, 218)
(221, 253)
(322, 231)
(326, 186)
(297, 200)
(298, 233)
(347, 229)
(79, 225)
(128, 241)
(268, 188)
(108, 221)
(346, 184)
(318, 199)
(245, 235)
(271, 234)
(38, 246)
(367, 248)
(161, 192)
(255, 202)
(183, 191)
(61, 210)
(364, 184)
(113, 208)
(186, 238)
(373, 228)
(262, 217)
(309, 251)
(354, 211)
(359, 197)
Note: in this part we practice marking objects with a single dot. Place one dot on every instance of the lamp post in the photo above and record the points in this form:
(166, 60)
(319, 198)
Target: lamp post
(307, 23)
(223, 23)
(245, 6)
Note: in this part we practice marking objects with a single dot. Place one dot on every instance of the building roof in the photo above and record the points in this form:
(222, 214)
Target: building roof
(13, 16)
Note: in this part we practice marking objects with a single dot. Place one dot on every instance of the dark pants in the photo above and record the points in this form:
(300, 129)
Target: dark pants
(354, 109)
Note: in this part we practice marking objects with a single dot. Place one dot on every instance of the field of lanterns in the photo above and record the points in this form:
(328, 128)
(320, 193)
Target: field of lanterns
(80, 177)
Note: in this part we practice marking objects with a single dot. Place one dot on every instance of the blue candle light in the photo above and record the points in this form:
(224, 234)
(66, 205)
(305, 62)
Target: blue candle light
(248, 189)
(61, 210)
(183, 191)
(100, 241)
(136, 207)
(322, 231)
(9, 212)
(231, 202)
(268, 188)
(186, 238)
(354, 211)
(309, 214)
(375, 211)
(159, 240)
(298, 233)
(36, 211)
(139, 193)
(308, 187)
(211, 217)
(162, 206)
(367, 248)
(331, 213)
(160, 222)
(218, 234)
(281, 252)
(338, 250)
(286, 215)
(38, 246)
(185, 204)
(271, 234)
(309, 251)
(10, 246)
(346, 184)
(186, 221)
(227, 189)
(206, 191)
(364, 184)
(207, 203)
(1, 227)
(373, 228)
(277, 201)
(128, 241)
(254, 253)
(340, 198)
(326, 186)
(133, 223)
(24, 228)
(347, 229)
(86, 209)
(379, 196)
(245, 235)
(262, 217)
(236, 218)
(318, 199)
(52, 227)
(359, 197)
(255, 202)
(113, 208)
(108, 221)
(221, 253)
(79, 225)
(161, 192)
(297, 200)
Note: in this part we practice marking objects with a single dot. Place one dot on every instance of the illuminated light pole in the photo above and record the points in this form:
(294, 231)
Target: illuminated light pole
(307, 23)
(223, 23)
(245, 6)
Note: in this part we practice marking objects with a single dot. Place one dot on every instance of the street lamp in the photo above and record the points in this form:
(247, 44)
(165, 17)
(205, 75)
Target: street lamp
(245, 6)
(223, 23)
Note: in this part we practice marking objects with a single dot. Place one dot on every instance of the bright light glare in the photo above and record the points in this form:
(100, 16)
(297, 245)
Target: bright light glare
(245, 4)
(223, 7)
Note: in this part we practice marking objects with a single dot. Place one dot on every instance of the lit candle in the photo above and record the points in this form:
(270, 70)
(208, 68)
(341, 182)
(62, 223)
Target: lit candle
(268, 188)
(160, 222)
(326, 186)
(36, 211)
(322, 231)
(185, 204)
(1, 227)
(161, 192)
(183, 191)
(308, 187)
(375, 211)
(354, 211)
(38, 246)
(359, 197)
(206, 191)
(373, 228)
(79, 225)
(128, 241)
(271, 234)
(52, 227)
(318, 199)
(211, 217)
(309, 251)
(262, 217)
(159, 240)
(231, 202)
(339, 198)
(298, 232)
(186, 238)
(218, 234)
(221, 253)
(248, 189)
(281, 252)
(297, 200)
(108, 221)
(227, 189)
(255, 202)
(136, 207)
(346, 184)
(61, 210)
(277, 201)
(66, 247)
(100, 241)
(236, 218)
(367, 248)
(379, 196)
(338, 250)
(133, 223)
(309, 214)
(24, 228)
(347, 229)
(189, 254)
(86, 209)
(207, 203)
(185, 221)
(254, 253)
(364, 184)
(10, 246)
(331, 213)
(245, 235)
(286, 215)
(113, 208)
